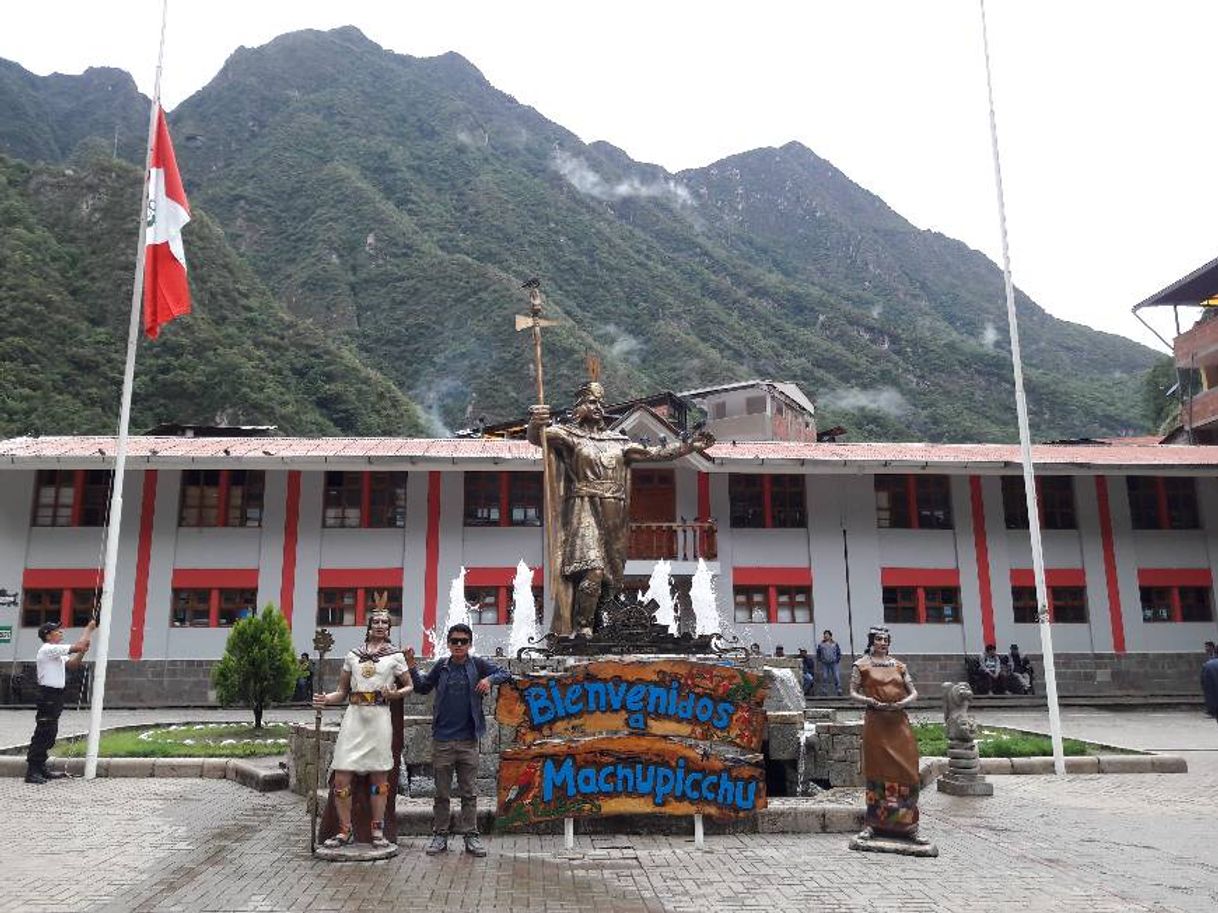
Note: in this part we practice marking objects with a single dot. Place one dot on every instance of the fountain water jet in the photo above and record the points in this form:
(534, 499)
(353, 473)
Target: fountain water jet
(458, 613)
(702, 598)
(659, 588)
(524, 619)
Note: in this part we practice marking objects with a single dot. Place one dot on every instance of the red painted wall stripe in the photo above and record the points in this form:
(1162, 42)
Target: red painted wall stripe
(1110, 567)
(982, 549)
(61, 578)
(1175, 576)
(772, 576)
(431, 558)
(497, 576)
(919, 576)
(704, 496)
(352, 577)
(1054, 576)
(143, 562)
(291, 529)
(226, 578)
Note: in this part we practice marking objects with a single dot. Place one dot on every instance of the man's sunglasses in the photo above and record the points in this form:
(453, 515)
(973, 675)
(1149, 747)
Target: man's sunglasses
(458, 641)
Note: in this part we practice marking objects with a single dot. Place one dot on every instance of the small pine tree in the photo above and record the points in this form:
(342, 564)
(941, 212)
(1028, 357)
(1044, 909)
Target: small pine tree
(259, 665)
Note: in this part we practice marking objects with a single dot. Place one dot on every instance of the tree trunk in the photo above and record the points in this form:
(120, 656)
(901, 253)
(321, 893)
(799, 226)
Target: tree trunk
(258, 716)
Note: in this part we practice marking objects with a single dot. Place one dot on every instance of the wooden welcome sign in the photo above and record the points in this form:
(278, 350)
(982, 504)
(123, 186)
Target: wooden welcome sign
(714, 702)
(624, 774)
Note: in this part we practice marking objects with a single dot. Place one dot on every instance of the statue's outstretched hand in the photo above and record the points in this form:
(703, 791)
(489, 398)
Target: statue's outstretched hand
(539, 414)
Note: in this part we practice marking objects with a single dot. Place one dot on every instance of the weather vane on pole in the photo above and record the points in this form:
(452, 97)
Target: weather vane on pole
(535, 322)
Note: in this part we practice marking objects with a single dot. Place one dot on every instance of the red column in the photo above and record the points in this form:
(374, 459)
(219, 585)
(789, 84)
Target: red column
(143, 561)
(431, 558)
(982, 550)
(1110, 567)
(291, 524)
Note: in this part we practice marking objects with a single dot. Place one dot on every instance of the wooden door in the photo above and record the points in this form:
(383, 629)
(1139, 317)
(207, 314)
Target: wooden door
(653, 513)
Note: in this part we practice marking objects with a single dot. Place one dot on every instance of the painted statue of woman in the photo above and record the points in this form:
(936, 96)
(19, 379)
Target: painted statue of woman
(373, 682)
(890, 750)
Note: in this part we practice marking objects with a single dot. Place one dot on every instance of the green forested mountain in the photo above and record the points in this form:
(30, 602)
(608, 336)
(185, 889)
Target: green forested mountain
(67, 242)
(395, 204)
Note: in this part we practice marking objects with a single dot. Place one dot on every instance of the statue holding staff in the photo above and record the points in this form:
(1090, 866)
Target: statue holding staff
(588, 480)
(367, 752)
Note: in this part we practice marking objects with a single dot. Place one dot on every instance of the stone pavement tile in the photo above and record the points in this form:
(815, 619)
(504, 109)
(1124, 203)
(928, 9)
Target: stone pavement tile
(1094, 843)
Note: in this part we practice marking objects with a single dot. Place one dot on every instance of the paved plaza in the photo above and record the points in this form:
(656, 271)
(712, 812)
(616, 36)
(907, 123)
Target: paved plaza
(1087, 843)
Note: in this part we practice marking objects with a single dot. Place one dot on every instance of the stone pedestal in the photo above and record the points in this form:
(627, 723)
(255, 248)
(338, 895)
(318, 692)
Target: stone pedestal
(964, 776)
(873, 844)
(356, 852)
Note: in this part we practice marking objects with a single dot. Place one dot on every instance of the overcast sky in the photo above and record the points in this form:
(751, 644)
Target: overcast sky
(1105, 110)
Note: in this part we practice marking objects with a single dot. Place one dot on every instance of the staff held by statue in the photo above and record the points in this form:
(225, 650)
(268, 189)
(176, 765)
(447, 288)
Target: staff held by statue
(534, 321)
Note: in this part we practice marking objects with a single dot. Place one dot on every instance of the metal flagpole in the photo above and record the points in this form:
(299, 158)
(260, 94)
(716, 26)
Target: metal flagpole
(120, 456)
(1025, 444)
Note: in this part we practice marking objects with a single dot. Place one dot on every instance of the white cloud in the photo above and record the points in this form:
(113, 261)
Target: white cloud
(624, 346)
(989, 335)
(584, 179)
(888, 400)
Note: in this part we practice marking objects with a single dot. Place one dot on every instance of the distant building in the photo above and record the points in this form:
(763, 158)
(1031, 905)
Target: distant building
(929, 539)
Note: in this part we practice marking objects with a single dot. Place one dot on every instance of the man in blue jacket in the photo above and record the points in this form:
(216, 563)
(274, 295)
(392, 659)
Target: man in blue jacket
(460, 680)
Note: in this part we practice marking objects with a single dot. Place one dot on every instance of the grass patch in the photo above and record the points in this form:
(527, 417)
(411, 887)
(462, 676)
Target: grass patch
(186, 740)
(999, 742)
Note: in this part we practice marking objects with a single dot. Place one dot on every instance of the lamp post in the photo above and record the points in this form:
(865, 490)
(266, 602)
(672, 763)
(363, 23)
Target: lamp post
(323, 643)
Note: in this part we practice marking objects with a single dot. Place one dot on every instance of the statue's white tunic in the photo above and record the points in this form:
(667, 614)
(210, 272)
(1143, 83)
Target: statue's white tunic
(365, 737)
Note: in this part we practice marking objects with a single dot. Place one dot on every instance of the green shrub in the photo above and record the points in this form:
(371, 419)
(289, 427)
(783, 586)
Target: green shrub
(259, 664)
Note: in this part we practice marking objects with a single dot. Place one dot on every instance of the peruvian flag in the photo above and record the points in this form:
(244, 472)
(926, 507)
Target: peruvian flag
(166, 291)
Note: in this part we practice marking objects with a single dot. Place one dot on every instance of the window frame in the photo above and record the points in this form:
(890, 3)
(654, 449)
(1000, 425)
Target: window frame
(914, 498)
(363, 597)
(1153, 498)
(213, 603)
(1055, 502)
(224, 507)
(505, 494)
(85, 509)
(765, 588)
(364, 499)
(745, 488)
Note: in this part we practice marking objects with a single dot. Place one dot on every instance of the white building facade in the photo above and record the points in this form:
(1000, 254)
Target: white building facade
(802, 537)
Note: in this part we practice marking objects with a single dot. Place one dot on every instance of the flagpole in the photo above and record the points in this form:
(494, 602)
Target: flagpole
(1025, 443)
(114, 523)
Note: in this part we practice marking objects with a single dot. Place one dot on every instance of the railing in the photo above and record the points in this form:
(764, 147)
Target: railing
(684, 541)
(1203, 409)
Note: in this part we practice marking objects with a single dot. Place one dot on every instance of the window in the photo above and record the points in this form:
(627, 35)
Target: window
(1067, 605)
(767, 501)
(221, 497)
(41, 606)
(349, 606)
(364, 500)
(719, 410)
(1156, 502)
(794, 604)
(772, 603)
(493, 605)
(211, 607)
(752, 604)
(71, 497)
(71, 607)
(922, 605)
(503, 499)
(913, 502)
(1023, 605)
(1056, 502)
(900, 605)
(1176, 603)
(483, 605)
(754, 405)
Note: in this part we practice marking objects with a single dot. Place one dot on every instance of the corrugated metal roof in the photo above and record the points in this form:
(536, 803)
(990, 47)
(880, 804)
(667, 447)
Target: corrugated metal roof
(170, 451)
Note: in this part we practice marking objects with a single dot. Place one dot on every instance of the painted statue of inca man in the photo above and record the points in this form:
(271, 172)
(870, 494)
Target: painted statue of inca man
(589, 482)
(367, 752)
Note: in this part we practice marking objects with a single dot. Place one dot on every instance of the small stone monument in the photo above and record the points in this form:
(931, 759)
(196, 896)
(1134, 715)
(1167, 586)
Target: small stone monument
(963, 777)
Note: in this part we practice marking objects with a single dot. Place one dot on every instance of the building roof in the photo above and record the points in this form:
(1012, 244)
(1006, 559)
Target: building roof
(790, 390)
(1137, 454)
(1198, 286)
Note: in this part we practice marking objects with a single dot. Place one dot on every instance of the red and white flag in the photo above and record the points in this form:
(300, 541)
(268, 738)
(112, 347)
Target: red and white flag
(166, 291)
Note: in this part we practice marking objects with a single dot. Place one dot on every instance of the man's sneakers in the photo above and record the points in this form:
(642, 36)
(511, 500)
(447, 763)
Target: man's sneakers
(473, 845)
(438, 845)
(35, 776)
(49, 774)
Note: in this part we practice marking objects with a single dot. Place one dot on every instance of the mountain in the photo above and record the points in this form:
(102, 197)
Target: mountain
(66, 245)
(395, 203)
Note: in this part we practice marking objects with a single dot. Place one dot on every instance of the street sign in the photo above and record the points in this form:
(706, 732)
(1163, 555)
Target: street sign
(6, 634)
